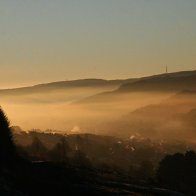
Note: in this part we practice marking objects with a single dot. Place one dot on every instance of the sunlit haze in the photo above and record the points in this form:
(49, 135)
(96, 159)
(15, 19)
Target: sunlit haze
(97, 97)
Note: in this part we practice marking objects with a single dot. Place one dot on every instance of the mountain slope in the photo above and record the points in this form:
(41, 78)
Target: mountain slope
(164, 83)
(83, 83)
(60, 91)
(174, 117)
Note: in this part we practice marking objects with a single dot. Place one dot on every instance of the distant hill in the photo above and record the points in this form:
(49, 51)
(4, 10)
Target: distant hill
(153, 104)
(173, 117)
(83, 83)
(61, 91)
(164, 83)
(99, 90)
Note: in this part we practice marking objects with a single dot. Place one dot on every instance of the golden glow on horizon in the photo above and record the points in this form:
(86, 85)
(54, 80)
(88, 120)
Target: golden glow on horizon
(111, 39)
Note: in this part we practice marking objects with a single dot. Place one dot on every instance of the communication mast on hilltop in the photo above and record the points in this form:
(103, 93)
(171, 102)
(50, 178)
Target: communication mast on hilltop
(166, 69)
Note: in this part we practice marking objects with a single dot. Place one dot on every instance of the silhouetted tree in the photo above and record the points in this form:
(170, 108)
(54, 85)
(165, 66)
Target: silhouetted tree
(81, 160)
(22, 152)
(146, 170)
(79, 142)
(59, 152)
(37, 150)
(178, 172)
(7, 147)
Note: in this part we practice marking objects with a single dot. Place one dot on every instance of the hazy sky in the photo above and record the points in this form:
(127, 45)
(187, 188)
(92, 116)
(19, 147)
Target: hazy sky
(50, 40)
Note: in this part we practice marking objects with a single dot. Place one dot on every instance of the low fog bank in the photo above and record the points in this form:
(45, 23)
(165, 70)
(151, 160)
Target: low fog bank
(155, 113)
(65, 116)
(148, 115)
(170, 119)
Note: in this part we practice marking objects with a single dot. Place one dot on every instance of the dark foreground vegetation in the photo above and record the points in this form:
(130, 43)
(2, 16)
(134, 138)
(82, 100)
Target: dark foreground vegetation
(37, 163)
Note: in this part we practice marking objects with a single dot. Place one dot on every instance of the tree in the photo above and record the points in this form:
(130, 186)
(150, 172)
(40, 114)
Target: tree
(37, 149)
(146, 170)
(178, 172)
(7, 147)
(81, 160)
(59, 152)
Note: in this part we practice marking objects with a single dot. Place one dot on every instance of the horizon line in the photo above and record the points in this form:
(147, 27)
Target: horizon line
(79, 79)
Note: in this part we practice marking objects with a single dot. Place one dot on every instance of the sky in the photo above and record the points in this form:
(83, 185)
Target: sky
(47, 40)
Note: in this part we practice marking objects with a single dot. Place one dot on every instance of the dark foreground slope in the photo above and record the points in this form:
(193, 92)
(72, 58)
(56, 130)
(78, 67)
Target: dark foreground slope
(60, 175)
(93, 164)
(47, 178)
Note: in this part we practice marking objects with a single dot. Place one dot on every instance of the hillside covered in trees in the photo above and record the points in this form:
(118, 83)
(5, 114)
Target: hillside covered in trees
(37, 163)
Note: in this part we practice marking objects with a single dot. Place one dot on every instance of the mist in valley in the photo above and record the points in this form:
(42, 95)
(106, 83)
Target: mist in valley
(157, 113)
(65, 110)
(125, 132)
(97, 98)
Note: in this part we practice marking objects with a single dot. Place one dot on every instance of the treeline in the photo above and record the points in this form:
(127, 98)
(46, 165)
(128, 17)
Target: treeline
(91, 158)
(59, 153)
(137, 157)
